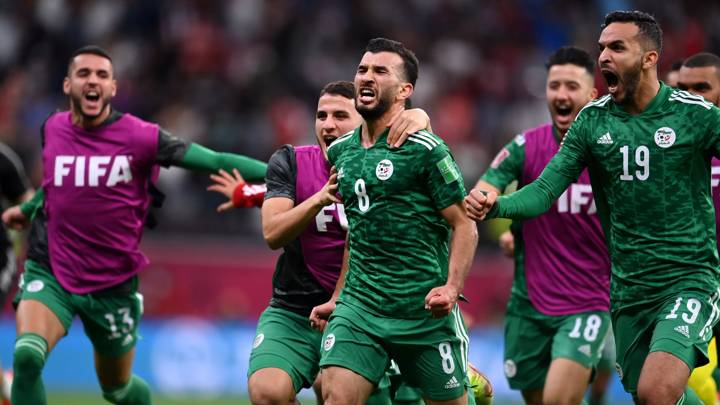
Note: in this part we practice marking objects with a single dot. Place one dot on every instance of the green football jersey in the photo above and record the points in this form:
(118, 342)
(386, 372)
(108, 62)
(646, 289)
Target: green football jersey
(398, 237)
(650, 175)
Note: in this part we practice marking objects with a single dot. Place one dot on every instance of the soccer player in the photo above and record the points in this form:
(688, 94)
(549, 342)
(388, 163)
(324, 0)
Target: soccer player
(83, 257)
(700, 75)
(399, 299)
(560, 295)
(648, 149)
(301, 215)
(15, 189)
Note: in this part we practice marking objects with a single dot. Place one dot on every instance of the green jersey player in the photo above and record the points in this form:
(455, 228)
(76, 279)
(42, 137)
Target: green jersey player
(648, 148)
(399, 296)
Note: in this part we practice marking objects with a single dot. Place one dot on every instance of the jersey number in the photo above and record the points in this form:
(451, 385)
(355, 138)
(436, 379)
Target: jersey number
(592, 328)
(448, 364)
(363, 198)
(693, 306)
(125, 318)
(642, 160)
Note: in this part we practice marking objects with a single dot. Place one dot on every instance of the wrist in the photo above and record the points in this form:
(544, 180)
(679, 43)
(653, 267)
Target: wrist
(238, 195)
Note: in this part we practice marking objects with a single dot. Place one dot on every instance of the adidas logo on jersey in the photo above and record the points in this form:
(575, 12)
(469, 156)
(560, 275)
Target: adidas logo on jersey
(605, 139)
(452, 383)
(683, 330)
(585, 349)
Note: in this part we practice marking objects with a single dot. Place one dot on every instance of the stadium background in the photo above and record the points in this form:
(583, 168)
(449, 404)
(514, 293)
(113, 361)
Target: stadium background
(243, 76)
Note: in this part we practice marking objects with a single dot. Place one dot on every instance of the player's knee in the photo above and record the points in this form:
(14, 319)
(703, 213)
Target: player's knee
(657, 393)
(560, 400)
(29, 356)
(267, 392)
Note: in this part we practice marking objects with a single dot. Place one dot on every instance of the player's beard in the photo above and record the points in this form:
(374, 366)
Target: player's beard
(631, 80)
(76, 105)
(373, 113)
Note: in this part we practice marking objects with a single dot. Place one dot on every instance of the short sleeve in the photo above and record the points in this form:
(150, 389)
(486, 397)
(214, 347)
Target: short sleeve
(281, 174)
(444, 178)
(507, 165)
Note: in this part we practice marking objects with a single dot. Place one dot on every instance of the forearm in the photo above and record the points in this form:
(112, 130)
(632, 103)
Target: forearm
(281, 228)
(462, 251)
(533, 199)
(200, 158)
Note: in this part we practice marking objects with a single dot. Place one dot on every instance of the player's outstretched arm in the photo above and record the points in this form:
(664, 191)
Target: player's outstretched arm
(174, 151)
(283, 221)
(406, 123)
(321, 313)
(239, 193)
(200, 158)
(441, 300)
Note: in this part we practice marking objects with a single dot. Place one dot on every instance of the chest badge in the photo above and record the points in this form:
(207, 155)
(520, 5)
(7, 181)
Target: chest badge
(384, 169)
(665, 137)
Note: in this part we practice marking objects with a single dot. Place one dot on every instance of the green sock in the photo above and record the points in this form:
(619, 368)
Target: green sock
(28, 362)
(689, 397)
(135, 392)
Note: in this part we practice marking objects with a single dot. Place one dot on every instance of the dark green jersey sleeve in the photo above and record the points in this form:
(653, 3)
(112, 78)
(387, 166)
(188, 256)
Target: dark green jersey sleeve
(507, 165)
(444, 179)
(538, 196)
(174, 151)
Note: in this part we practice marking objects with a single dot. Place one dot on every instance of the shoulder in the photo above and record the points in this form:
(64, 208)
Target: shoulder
(341, 141)
(595, 108)
(283, 156)
(693, 102)
(425, 141)
(138, 122)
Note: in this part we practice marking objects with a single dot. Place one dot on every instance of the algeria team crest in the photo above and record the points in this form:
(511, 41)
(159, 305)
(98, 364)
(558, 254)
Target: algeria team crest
(384, 169)
(664, 137)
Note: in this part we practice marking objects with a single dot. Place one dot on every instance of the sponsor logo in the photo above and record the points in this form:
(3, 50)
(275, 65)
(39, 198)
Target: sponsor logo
(329, 342)
(384, 169)
(452, 383)
(683, 330)
(35, 286)
(606, 139)
(585, 349)
(510, 369)
(664, 137)
(92, 171)
(258, 340)
(128, 339)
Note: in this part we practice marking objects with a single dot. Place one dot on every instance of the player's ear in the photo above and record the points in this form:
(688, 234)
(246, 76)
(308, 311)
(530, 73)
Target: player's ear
(114, 88)
(650, 59)
(406, 91)
(66, 86)
(593, 93)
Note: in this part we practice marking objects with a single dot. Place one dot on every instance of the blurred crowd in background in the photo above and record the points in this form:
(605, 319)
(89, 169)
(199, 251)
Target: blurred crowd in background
(243, 76)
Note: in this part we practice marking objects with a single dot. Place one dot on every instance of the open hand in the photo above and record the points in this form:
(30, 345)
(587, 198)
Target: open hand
(405, 123)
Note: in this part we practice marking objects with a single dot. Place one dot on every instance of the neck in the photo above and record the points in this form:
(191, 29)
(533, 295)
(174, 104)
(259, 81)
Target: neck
(80, 120)
(372, 129)
(647, 89)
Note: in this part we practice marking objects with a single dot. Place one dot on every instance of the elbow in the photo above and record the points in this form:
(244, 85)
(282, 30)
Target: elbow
(273, 241)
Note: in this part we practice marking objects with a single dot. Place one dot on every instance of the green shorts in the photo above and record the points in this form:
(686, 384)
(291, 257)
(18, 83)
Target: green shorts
(432, 353)
(110, 317)
(681, 325)
(531, 344)
(607, 357)
(285, 340)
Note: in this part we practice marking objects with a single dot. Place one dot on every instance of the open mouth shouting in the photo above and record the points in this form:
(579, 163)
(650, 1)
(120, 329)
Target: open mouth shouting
(563, 114)
(366, 95)
(92, 102)
(328, 139)
(612, 80)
